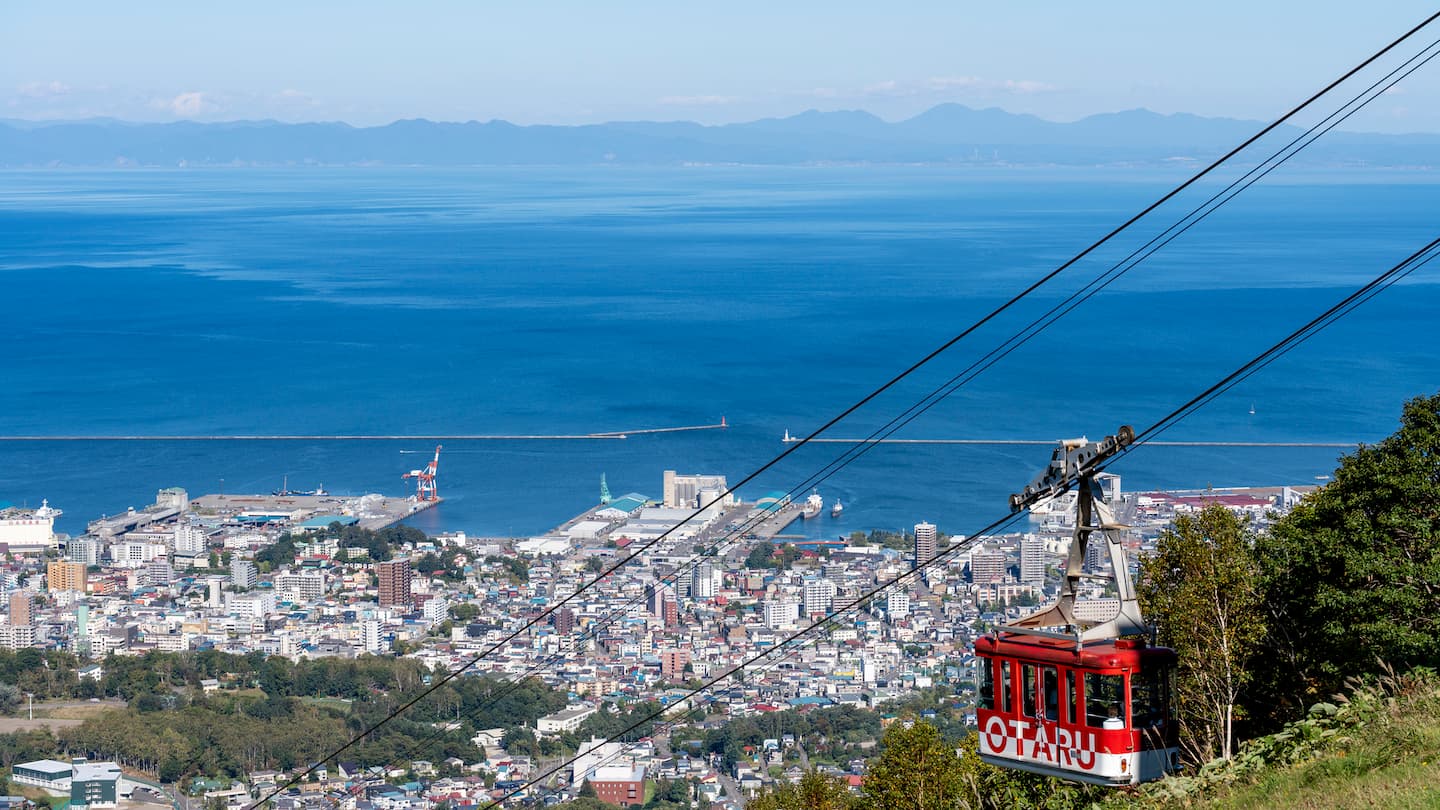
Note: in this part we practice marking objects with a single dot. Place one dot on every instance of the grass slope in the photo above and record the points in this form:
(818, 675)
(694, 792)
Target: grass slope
(1378, 748)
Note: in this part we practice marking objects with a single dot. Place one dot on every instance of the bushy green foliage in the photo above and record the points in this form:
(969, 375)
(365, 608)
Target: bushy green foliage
(1383, 720)
(918, 770)
(814, 791)
(172, 729)
(586, 803)
(217, 739)
(832, 733)
(1351, 574)
(515, 567)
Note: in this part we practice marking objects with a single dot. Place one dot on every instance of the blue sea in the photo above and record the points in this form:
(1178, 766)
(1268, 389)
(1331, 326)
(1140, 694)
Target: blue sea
(567, 301)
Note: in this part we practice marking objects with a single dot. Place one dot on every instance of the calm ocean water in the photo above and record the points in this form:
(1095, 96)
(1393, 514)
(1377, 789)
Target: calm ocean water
(546, 301)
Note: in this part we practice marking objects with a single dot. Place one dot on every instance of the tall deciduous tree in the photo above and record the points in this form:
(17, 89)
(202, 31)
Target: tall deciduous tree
(814, 791)
(1353, 572)
(918, 770)
(1202, 589)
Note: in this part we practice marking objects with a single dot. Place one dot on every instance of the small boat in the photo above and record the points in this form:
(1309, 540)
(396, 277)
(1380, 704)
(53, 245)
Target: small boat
(813, 505)
(837, 509)
(1252, 409)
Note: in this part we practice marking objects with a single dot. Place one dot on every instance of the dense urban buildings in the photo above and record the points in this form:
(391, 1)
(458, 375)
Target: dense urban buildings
(633, 635)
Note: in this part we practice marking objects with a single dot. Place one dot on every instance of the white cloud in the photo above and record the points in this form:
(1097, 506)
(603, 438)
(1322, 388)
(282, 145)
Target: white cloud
(292, 95)
(952, 82)
(1026, 87)
(44, 89)
(942, 85)
(885, 88)
(697, 101)
(187, 105)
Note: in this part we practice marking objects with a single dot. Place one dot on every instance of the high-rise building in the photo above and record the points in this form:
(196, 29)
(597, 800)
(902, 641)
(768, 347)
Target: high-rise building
(1032, 560)
(1097, 554)
(394, 582)
(159, 572)
(66, 576)
(897, 604)
(819, 593)
(22, 608)
(300, 587)
(243, 574)
(924, 543)
(370, 631)
(189, 539)
(564, 619)
(703, 582)
(669, 608)
(672, 663)
(988, 565)
(780, 614)
(84, 550)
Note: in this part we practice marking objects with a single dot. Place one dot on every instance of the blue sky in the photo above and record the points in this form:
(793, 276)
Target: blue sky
(580, 62)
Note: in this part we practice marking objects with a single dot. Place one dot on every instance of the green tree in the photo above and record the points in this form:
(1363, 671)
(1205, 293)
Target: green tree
(587, 790)
(586, 803)
(761, 555)
(9, 698)
(1202, 590)
(814, 791)
(918, 770)
(1352, 574)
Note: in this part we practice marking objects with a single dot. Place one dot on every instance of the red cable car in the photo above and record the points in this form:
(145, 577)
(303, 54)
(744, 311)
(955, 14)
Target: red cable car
(1097, 713)
(1078, 701)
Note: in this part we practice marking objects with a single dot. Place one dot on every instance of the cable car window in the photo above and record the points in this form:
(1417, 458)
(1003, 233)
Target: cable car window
(1104, 700)
(1028, 698)
(1005, 687)
(1075, 703)
(987, 684)
(1148, 703)
(1051, 686)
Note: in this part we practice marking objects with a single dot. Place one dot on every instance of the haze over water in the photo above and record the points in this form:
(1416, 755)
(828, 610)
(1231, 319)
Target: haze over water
(549, 301)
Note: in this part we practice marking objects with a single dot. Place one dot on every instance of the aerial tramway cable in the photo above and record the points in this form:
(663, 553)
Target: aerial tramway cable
(861, 403)
(1195, 216)
(1384, 281)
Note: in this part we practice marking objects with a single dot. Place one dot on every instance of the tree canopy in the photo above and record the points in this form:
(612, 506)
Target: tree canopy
(918, 770)
(814, 791)
(1352, 574)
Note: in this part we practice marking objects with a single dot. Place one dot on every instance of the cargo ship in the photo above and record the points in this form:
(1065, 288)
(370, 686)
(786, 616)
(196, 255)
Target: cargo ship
(813, 505)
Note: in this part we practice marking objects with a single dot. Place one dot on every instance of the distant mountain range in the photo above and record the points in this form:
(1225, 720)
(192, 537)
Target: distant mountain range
(949, 133)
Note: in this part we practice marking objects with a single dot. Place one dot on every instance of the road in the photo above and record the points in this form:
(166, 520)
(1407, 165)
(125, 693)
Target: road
(732, 790)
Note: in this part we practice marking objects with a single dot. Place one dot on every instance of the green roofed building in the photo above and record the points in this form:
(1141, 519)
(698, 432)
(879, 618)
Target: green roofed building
(623, 506)
(319, 522)
(773, 501)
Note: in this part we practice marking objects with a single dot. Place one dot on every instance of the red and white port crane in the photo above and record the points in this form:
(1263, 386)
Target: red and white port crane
(425, 479)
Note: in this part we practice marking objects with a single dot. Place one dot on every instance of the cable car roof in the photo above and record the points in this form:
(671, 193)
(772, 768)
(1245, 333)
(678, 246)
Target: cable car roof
(1099, 654)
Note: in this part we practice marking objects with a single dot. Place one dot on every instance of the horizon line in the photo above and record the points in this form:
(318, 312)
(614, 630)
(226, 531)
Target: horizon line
(100, 119)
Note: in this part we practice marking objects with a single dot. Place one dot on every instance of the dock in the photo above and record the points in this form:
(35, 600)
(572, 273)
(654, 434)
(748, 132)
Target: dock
(373, 511)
